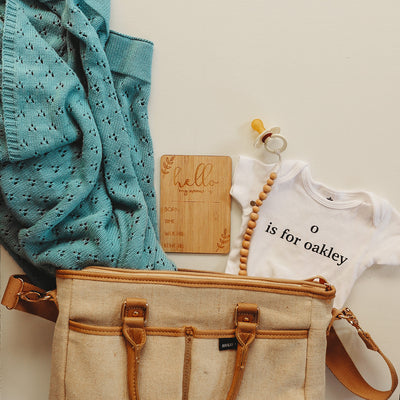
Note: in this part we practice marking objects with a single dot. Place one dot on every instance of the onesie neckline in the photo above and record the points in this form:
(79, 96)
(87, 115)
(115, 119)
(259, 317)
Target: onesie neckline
(330, 198)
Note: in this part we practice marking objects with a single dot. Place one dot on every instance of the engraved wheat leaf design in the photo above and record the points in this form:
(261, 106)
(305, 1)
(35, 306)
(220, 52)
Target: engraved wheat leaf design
(223, 240)
(167, 165)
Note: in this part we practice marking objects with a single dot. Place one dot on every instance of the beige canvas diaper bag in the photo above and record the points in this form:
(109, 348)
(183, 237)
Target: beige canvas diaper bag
(129, 334)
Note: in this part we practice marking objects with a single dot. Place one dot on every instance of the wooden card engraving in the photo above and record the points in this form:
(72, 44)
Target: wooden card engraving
(195, 204)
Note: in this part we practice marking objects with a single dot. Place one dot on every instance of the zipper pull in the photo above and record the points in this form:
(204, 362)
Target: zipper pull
(328, 287)
(322, 281)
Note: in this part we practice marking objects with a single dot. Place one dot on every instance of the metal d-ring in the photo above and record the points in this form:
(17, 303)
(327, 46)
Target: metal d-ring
(26, 296)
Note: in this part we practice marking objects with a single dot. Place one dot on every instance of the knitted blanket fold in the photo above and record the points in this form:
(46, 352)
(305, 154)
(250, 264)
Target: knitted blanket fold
(76, 158)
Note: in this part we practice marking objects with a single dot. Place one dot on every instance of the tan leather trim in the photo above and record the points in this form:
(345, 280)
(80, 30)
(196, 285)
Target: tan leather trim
(187, 362)
(180, 332)
(316, 281)
(95, 330)
(197, 280)
(264, 334)
(197, 333)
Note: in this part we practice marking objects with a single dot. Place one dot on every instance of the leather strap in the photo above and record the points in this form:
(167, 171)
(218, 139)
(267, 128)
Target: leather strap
(134, 316)
(22, 295)
(246, 319)
(342, 366)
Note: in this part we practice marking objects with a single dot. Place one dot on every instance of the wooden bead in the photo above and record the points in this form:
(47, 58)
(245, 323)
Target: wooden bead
(244, 252)
(262, 196)
(251, 224)
(266, 188)
(245, 244)
(254, 216)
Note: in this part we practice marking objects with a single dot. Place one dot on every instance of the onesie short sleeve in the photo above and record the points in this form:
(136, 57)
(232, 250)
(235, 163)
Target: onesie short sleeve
(385, 249)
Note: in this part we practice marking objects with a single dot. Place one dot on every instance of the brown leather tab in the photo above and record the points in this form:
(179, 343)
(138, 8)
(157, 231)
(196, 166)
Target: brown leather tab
(246, 319)
(134, 316)
(342, 366)
(22, 295)
(246, 313)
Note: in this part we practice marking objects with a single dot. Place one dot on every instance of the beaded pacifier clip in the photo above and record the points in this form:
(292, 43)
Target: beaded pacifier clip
(276, 144)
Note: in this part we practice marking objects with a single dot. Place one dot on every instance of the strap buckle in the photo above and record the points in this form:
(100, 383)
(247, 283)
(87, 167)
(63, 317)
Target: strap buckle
(33, 296)
(30, 296)
(348, 315)
(247, 313)
(135, 310)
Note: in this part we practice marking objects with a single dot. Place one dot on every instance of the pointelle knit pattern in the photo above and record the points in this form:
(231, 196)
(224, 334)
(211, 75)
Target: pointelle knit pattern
(76, 172)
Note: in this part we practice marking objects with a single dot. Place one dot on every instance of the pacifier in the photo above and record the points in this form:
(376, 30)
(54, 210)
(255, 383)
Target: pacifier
(271, 138)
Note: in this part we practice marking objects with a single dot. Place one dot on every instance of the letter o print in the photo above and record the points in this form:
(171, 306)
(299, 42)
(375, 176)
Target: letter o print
(314, 229)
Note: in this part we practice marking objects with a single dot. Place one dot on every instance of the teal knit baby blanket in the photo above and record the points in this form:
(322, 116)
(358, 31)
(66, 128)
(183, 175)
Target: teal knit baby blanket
(76, 156)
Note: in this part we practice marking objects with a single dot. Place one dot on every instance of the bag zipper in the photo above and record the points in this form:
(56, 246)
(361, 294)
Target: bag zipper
(317, 283)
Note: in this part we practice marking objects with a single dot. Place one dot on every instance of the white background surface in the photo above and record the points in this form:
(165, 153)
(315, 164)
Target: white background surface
(326, 72)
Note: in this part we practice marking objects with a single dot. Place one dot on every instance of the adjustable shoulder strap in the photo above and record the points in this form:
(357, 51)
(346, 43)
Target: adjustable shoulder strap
(22, 295)
(342, 366)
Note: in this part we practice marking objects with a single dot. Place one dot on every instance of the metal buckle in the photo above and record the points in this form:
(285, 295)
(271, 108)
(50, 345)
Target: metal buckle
(257, 315)
(31, 296)
(145, 311)
(37, 296)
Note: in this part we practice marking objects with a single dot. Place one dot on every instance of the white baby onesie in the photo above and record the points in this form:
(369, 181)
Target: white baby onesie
(305, 229)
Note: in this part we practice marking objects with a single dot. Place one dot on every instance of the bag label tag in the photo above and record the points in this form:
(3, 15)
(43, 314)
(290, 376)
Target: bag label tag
(228, 344)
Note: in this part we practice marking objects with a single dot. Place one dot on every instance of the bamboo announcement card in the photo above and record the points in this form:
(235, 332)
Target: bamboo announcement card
(195, 204)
